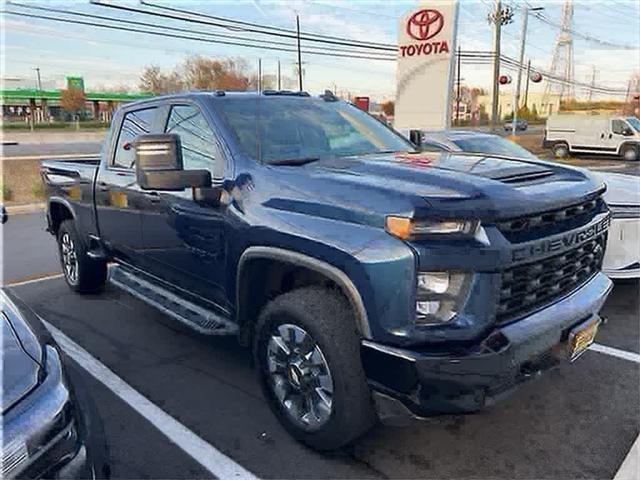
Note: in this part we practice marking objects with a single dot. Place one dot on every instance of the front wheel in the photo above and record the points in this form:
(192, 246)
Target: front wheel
(630, 153)
(561, 150)
(81, 272)
(307, 351)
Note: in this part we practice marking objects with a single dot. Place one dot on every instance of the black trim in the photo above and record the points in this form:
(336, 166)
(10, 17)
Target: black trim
(597, 149)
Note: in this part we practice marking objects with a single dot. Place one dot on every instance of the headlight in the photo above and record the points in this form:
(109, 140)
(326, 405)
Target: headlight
(440, 296)
(405, 228)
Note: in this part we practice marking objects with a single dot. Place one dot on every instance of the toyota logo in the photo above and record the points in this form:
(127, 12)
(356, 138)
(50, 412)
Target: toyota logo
(425, 24)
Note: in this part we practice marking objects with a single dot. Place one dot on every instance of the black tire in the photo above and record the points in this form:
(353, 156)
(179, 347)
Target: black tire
(630, 153)
(560, 150)
(328, 319)
(91, 274)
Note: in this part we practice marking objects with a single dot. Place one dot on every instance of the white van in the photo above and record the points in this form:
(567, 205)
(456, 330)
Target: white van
(567, 133)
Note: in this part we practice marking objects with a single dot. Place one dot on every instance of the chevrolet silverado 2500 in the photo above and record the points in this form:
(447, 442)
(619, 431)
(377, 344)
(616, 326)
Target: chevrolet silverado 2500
(371, 281)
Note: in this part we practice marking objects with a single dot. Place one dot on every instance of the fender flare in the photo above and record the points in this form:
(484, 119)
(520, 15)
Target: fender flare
(299, 259)
(60, 201)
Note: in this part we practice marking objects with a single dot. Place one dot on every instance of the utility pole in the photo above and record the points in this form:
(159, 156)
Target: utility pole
(523, 42)
(299, 53)
(279, 77)
(37, 69)
(593, 81)
(458, 80)
(497, 25)
(259, 75)
(526, 88)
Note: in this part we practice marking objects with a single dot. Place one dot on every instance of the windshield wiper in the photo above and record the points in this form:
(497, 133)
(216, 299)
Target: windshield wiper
(293, 161)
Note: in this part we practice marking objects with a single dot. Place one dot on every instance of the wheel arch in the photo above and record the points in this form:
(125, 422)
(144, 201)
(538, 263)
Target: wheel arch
(629, 143)
(58, 210)
(282, 262)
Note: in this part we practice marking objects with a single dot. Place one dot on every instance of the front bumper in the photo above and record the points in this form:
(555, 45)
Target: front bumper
(424, 383)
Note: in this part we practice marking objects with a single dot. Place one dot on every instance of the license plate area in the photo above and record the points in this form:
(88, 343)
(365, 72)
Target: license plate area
(580, 338)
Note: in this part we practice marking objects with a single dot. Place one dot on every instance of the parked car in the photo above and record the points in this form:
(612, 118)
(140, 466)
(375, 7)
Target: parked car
(470, 141)
(521, 125)
(50, 426)
(370, 279)
(614, 135)
(622, 259)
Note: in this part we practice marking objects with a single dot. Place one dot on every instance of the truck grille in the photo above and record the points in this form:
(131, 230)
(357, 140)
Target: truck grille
(550, 218)
(529, 287)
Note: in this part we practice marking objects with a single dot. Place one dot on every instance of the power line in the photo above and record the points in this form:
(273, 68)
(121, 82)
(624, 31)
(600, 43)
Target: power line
(261, 31)
(259, 25)
(187, 37)
(167, 27)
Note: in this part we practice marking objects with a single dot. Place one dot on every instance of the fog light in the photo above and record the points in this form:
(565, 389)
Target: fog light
(440, 296)
(427, 308)
(433, 282)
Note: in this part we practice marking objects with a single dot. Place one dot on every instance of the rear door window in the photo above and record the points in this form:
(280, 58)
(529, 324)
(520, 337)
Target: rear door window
(135, 123)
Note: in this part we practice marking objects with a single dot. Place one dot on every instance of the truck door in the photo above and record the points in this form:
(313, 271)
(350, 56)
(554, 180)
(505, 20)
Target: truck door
(118, 198)
(184, 241)
(614, 136)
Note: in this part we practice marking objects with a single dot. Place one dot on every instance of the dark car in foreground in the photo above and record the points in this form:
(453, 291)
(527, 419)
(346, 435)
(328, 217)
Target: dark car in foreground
(50, 428)
(370, 279)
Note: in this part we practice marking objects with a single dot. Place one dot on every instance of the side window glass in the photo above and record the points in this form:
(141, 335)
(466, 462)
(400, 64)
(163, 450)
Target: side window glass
(138, 122)
(196, 137)
(618, 127)
(431, 147)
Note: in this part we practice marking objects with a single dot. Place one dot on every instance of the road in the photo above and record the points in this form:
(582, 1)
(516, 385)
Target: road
(578, 421)
(51, 149)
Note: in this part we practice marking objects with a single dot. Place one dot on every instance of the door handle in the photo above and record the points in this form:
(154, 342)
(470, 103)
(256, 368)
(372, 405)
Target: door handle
(602, 135)
(611, 135)
(103, 186)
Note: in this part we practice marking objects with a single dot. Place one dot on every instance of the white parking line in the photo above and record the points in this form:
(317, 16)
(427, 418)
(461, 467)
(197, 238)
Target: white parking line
(34, 280)
(614, 352)
(214, 461)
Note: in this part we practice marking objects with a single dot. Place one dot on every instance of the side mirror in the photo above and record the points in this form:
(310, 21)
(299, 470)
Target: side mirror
(159, 165)
(627, 132)
(415, 137)
(4, 214)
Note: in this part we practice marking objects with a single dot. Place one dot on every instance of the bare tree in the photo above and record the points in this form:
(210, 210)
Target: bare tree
(72, 100)
(155, 81)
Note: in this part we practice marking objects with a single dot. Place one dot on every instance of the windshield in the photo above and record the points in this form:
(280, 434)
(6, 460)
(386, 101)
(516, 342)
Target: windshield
(494, 146)
(278, 129)
(635, 123)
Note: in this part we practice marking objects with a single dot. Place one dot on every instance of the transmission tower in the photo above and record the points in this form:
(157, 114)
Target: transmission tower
(562, 69)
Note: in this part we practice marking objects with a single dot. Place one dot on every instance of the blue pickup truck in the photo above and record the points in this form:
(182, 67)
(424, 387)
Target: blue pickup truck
(369, 280)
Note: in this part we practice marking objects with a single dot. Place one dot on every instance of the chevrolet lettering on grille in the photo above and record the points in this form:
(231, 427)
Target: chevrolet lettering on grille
(560, 243)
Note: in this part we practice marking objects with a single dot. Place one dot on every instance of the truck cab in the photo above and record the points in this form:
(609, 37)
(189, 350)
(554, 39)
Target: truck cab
(369, 280)
(593, 134)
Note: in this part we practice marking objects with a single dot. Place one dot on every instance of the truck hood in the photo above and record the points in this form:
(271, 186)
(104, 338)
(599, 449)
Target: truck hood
(430, 184)
(19, 369)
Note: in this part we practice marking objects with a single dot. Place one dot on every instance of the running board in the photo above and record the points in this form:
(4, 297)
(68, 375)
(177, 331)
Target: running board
(200, 319)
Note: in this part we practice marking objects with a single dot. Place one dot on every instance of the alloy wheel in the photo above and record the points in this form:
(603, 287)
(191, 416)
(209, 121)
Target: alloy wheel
(299, 376)
(69, 258)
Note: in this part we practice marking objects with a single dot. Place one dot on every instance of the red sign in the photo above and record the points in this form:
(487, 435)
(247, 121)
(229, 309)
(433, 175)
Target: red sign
(362, 103)
(425, 24)
(536, 77)
(504, 79)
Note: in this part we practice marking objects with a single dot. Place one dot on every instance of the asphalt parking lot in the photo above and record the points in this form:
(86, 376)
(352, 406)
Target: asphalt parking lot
(578, 421)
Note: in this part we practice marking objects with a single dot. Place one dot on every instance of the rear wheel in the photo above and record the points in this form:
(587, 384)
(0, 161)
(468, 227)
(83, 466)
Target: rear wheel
(630, 153)
(561, 150)
(307, 351)
(81, 272)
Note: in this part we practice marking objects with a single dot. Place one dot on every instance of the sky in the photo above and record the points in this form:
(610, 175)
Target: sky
(112, 59)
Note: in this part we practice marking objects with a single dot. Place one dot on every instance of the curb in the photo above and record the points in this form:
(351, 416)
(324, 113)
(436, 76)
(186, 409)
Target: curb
(630, 468)
(22, 209)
